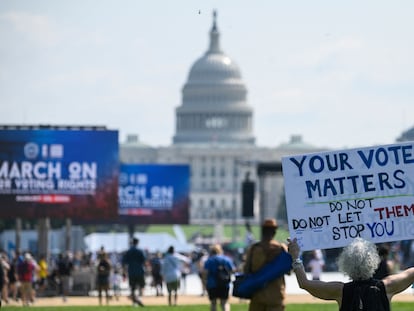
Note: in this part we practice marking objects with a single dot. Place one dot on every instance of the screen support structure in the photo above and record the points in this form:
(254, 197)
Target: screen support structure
(265, 169)
(43, 234)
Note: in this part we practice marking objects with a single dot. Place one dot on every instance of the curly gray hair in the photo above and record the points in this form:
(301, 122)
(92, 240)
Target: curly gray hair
(359, 260)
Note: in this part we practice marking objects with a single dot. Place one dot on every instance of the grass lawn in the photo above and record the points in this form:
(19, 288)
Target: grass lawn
(204, 230)
(397, 306)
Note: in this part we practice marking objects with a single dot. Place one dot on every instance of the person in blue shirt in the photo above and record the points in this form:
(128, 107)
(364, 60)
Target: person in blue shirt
(134, 259)
(216, 289)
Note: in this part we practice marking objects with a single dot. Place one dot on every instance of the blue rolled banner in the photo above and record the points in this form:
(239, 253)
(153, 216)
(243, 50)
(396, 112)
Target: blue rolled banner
(246, 285)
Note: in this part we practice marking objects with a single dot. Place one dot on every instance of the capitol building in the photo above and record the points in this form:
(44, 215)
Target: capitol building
(214, 135)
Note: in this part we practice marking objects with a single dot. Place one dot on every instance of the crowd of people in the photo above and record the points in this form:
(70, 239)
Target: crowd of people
(24, 278)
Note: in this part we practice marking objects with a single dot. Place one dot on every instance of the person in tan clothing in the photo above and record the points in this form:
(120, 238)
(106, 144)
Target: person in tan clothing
(272, 296)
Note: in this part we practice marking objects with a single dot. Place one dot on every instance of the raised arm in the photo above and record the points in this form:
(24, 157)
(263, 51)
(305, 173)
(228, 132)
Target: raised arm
(319, 289)
(396, 283)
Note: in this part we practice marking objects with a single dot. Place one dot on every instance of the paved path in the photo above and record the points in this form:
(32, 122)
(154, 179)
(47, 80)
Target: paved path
(191, 294)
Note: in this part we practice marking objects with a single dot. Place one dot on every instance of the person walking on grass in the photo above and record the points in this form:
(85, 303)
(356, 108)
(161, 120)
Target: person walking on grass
(13, 278)
(272, 296)
(4, 279)
(42, 274)
(3, 275)
(385, 267)
(116, 281)
(316, 264)
(218, 269)
(134, 266)
(156, 263)
(26, 270)
(171, 272)
(103, 271)
(64, 273)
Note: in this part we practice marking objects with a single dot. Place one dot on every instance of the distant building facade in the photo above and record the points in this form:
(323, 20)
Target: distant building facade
(214, 135)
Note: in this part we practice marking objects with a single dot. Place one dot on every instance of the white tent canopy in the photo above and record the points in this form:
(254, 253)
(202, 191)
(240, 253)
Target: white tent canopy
(119, 242)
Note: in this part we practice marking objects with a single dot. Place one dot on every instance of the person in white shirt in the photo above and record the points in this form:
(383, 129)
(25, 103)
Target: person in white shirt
(171, 268)
(316, 264)
(116, 281)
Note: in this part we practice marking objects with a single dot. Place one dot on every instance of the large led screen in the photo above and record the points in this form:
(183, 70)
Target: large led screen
(59, 173)
(154, 193)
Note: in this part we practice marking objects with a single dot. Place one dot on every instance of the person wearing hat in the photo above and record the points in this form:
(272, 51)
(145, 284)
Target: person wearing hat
(272, 296)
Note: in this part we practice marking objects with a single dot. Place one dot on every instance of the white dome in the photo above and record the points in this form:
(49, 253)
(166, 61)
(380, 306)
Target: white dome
(214, 106)
(214, 67)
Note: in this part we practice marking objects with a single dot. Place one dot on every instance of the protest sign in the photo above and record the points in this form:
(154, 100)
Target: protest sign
(334, 197)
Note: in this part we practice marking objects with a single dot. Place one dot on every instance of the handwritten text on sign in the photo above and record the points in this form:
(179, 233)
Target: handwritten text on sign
(334, 197)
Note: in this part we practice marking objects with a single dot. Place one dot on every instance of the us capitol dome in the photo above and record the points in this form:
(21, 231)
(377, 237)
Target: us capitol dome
(214, 107)
(214, 137)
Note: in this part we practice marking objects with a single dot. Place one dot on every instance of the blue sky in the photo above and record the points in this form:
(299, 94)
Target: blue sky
(339, 73)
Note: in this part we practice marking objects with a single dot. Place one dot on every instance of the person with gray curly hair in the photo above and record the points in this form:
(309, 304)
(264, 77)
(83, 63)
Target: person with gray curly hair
(359, 261)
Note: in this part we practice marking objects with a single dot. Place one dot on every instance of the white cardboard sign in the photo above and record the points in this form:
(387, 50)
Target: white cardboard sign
(334, 197)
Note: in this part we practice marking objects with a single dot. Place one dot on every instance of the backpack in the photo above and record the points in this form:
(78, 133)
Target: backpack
(223, 275)
(104, 268)
(366, 295)
(156, 266)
